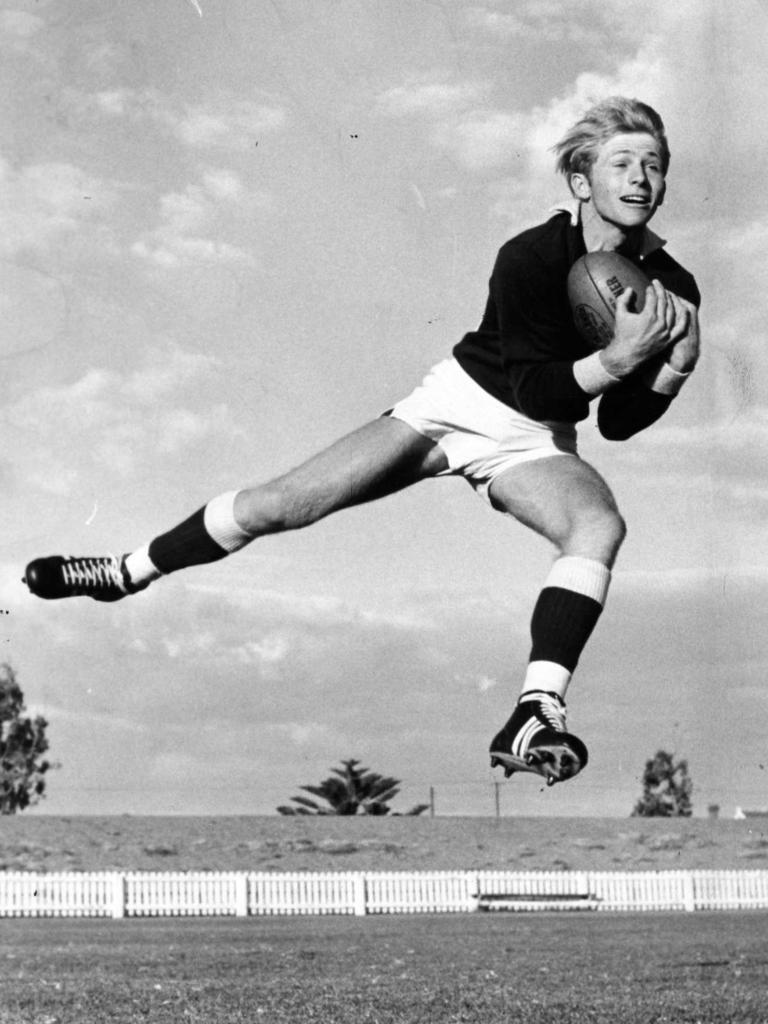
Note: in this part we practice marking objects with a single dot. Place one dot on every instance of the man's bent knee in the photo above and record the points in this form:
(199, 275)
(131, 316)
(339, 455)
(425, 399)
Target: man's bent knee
(615, 532)
(275, 507)
(598, 535)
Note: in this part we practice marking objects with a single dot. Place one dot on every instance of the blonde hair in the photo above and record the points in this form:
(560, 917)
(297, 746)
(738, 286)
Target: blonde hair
(577, 150)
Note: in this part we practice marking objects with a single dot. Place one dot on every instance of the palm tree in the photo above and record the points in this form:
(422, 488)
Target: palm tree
(350, 790)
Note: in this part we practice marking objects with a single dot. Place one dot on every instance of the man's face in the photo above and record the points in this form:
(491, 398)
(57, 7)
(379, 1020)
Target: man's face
(626, 181)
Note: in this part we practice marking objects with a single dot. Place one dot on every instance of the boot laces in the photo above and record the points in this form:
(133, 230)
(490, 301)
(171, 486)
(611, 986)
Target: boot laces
(553, 710)
(89, 574)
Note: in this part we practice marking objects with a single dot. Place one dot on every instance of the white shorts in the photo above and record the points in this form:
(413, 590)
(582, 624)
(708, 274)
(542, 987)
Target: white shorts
(480, 436)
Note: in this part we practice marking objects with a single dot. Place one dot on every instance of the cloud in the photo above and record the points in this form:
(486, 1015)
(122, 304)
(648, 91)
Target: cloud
(206, 659)
(748, 241)
(165, 372)
(551, 21)
(722, 458)
(485, 683)
(42, 203)
(226, 122)
(187, 217)
(698, 581)
(483, 137)
(738, 324)
(19, 25)
(109, 421)
(168, 250)
(269, 650)
(530, 135)
(483, 140)
(234, 125)
(266, 638)
(104, 58)
(421, 96)
(321, 609)
(503, 24)
(100, 721)
(301, 734)
(477, 137)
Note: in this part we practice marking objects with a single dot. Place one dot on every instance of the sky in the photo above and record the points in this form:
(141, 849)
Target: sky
(233, 232)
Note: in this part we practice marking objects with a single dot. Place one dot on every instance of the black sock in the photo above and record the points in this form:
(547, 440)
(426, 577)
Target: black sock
(187, 544)
(561, 624)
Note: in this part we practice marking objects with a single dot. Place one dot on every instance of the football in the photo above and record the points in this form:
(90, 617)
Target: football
(595, 282)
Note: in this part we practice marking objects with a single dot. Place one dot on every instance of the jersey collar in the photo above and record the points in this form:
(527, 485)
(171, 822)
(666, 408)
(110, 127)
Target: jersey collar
(651, 241)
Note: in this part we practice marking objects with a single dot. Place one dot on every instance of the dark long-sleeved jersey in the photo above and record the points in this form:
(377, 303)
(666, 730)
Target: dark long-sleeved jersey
(525, 347)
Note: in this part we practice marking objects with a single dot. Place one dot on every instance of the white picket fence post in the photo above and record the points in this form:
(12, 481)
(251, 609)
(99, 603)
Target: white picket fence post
(360, 897)
(689, 891)
(241, 895)
(117, 893)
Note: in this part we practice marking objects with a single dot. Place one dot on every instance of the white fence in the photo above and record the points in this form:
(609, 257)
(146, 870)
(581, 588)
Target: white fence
(243, 894)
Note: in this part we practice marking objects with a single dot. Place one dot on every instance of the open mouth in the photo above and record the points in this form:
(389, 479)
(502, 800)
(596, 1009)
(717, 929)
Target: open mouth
(636, 200)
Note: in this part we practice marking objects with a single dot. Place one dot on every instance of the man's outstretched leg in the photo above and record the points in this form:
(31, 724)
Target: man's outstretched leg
(378, 459)
(566, 501)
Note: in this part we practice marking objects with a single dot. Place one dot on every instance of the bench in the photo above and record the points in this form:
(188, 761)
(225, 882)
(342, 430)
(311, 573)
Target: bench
(488, 901)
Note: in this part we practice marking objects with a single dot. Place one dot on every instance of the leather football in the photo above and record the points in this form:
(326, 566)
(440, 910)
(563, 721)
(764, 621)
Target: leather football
(595, 282)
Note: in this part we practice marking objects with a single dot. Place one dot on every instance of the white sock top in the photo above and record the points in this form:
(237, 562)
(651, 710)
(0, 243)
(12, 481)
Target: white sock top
(140, 567)
(582, 575)
(220, 522)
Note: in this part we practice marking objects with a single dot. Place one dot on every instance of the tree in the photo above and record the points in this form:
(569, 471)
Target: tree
(667, 789)
(350, 790)
(22, 745)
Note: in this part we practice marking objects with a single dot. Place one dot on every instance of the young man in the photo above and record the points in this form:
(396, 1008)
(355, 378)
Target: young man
(501, 413)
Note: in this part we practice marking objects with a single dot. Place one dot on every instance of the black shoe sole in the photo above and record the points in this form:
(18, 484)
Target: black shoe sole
(555, 762)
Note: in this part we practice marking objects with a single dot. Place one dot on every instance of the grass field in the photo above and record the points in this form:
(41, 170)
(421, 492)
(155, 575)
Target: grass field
(577, 968)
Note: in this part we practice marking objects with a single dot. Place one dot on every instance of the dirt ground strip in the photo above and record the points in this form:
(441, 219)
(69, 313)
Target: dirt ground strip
(37, 842)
